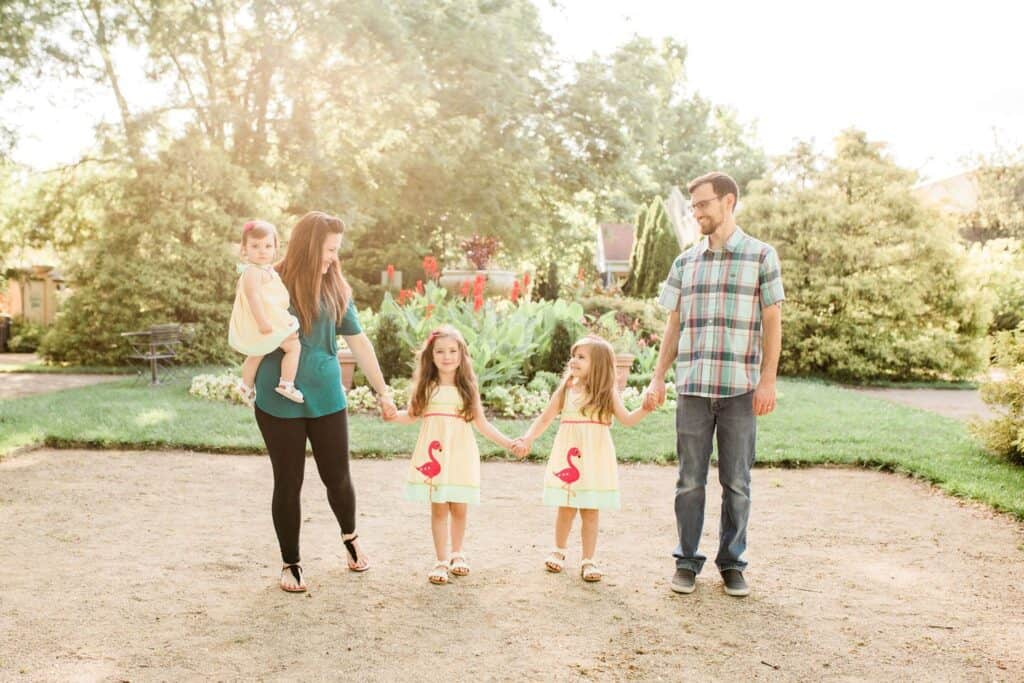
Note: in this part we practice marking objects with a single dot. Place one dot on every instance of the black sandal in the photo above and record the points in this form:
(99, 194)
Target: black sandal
(296, 571)
(351, 548)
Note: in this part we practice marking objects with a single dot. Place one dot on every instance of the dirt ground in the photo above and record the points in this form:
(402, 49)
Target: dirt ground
(163, 566)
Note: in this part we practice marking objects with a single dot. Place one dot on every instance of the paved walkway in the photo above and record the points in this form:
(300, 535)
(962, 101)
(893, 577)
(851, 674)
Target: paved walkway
(962, 404)
(19, 384)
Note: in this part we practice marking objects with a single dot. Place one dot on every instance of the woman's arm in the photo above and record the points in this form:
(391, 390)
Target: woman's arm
(251, 281)
(485, 427)
(628, 419)
(366, 358)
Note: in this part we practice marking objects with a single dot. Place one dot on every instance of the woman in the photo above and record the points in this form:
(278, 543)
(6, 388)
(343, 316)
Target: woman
(322, 301)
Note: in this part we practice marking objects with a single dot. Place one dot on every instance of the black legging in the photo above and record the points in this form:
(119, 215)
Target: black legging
(286, 443)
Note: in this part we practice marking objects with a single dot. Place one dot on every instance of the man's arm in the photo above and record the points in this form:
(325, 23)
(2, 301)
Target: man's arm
(655, 392)
(771, 347)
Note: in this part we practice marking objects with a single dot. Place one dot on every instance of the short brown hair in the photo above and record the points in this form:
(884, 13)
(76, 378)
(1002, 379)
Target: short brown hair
(722, 184)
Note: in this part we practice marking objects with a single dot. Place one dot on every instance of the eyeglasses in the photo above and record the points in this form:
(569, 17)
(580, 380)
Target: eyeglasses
(702, 205)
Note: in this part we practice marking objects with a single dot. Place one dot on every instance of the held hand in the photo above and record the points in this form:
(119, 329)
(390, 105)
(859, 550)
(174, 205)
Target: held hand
(764, 398)
(388, 410)
(654, 394)
(266, 329)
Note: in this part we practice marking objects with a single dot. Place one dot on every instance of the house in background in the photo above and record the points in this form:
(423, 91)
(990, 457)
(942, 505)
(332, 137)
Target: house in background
(614, 245)
(615, 240)
(33, 294)
(956, 195)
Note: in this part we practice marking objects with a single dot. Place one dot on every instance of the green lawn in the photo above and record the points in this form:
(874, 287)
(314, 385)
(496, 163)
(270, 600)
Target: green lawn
(814, 424)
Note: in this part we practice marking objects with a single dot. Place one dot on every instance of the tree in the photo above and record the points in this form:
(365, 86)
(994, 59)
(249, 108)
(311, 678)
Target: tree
(874, 281)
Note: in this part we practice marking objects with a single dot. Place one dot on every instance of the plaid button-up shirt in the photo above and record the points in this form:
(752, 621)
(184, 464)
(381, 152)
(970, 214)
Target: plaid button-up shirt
(719, 296)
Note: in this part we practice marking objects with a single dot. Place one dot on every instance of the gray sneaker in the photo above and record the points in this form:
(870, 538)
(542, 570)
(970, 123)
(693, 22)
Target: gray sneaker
(684, 581)
(734, 583)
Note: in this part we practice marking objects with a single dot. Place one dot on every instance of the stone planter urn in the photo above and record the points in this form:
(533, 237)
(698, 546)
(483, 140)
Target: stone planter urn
(498, 282)
(623, 362)
(347, 361)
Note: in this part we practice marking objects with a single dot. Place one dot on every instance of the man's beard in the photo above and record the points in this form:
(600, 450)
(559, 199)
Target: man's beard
(707, 228)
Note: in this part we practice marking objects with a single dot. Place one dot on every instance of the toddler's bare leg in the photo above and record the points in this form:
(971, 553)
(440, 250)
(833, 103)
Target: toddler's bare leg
(290, 362)
(249, 368)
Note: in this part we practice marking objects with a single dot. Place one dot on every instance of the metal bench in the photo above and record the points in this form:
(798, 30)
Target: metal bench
(153, 349)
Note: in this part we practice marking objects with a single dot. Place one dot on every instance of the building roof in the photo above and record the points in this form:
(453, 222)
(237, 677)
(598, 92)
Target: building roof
(616, 240)
(958, 194)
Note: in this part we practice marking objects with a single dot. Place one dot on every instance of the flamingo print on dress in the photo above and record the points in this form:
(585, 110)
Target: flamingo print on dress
(432, 467)
(570, 474)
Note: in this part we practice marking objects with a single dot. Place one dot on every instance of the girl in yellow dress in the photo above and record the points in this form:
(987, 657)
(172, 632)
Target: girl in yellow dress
(582, 474)
(445, 465)
(260, 319)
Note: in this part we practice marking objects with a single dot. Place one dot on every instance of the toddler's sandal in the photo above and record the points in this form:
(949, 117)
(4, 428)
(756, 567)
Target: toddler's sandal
(556, 561)
(439, 574)
(459, 565)
(589, 571)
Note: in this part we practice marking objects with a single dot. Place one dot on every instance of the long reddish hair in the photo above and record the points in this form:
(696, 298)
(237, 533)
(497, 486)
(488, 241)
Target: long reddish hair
(426, 378)
(300, 270)
(599, 385)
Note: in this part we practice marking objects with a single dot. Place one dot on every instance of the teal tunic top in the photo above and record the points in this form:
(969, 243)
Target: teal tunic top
(318, 376)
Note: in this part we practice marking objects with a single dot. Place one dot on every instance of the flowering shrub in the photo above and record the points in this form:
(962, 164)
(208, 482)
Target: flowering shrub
(515, 400)
(479, 250)
(215, 387)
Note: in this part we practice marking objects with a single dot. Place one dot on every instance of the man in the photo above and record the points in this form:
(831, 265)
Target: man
(724, 333)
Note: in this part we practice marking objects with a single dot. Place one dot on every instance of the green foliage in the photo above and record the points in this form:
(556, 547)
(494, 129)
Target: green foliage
(654, 249)
(998, 268)
(644, 316)
(636, 255)
(563, 337)
(25, 336)
(548, 286)
(162, 252)
(875, 283)
(1004, 435)
(503, 337)
(395, 358)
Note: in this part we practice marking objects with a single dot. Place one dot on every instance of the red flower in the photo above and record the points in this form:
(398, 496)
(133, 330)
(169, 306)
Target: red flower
(514, 294)
(429, 311)
(526, 279)
(419, 286)
(464, 289)
(478, 285)
(404, 296)
(391, 272)
(430, 266)
(478, 303)
(580, 274)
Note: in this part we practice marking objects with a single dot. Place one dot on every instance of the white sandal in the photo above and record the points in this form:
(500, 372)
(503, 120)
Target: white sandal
(439, 574)
(556, 561)
(245, 393)
(288, 390)
(459, 565)
(593, 574)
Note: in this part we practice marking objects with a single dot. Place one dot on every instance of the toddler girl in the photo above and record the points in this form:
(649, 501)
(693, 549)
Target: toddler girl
(445, 465)
(260, 319)
(582, 474)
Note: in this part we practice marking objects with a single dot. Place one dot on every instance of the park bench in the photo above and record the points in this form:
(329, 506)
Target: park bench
(154, 349)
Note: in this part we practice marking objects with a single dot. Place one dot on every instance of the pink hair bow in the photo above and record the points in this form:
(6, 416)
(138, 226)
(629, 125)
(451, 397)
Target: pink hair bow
(248, 226)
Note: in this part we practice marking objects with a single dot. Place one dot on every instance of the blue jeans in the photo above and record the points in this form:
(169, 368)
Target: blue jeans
(697, 420)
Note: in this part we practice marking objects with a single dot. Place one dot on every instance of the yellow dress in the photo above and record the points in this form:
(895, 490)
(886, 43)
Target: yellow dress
(445, 465)
(582, 471)
(244, 334)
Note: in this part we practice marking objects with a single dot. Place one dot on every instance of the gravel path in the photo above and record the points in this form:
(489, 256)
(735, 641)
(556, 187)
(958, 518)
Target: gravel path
(163, 566)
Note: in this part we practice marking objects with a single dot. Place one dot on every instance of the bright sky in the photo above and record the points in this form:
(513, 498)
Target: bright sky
(939, 82)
